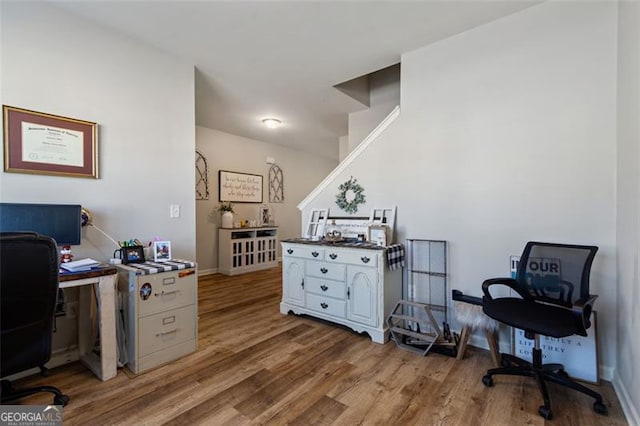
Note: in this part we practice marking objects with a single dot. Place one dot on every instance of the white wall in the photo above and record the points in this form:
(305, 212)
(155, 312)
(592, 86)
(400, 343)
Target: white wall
(507, 133)
(224, 151)
(627, 378)
(384, 96)
(143, 102)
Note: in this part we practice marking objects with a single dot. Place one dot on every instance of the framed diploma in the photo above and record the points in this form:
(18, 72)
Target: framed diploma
(40, 143)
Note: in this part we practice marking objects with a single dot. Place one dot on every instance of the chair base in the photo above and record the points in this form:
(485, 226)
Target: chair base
(8, 393)
(555, 373)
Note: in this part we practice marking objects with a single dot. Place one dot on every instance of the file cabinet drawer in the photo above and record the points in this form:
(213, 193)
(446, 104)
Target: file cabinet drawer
(326, 270)
(327, 305)
(161, 292)
(326, 288)
(166, 329)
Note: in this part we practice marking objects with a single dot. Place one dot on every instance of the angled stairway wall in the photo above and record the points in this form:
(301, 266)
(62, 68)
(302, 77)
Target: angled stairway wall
(507, 134)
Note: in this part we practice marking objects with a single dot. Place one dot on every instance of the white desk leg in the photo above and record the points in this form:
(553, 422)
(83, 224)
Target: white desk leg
(105, 365)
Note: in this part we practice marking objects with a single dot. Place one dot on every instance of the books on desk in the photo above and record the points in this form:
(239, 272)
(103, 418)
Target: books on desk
(80, 265)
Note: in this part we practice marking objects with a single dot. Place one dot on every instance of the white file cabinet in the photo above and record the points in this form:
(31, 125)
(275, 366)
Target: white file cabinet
(160, 306)
(348, 286)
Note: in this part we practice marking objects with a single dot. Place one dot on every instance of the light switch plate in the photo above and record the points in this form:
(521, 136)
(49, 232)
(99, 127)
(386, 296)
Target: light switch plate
(174, 211)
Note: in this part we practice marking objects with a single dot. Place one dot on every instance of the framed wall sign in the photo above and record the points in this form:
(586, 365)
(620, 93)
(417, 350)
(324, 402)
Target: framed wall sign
(239, 187)
(40, 143)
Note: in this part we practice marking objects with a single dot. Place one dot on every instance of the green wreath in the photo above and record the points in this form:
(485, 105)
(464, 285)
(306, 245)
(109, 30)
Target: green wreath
(358, 196)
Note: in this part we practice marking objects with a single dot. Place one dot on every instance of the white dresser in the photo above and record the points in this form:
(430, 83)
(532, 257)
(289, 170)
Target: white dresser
(345, 285)
(160, 305)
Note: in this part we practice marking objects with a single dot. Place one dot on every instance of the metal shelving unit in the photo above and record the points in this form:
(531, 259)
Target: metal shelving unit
(420, 320)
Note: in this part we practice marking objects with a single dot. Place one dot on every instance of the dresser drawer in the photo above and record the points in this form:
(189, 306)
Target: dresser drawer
(161, 292)
(166, 329)
(325, 287)
(326, 270)
(303, 251)
(327, 305)
(360, 258)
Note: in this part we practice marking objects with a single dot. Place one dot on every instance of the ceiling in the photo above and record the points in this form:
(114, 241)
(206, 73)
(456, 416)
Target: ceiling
(282, 58)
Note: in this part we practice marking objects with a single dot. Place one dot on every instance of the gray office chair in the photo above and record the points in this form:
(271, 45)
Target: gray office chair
(28, 292)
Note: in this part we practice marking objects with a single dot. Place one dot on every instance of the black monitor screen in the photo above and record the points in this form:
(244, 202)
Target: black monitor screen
(62, 222)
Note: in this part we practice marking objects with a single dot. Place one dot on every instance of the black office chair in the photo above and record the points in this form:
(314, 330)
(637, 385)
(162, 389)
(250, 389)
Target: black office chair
(553, 283)
(28, 291)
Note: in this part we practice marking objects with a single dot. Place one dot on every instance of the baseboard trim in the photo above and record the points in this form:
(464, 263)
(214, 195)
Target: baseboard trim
(630, 412)
(58, 358)
(204, 272)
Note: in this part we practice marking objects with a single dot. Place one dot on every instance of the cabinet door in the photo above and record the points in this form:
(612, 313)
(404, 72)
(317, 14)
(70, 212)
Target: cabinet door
(293, 281)
(362, 294)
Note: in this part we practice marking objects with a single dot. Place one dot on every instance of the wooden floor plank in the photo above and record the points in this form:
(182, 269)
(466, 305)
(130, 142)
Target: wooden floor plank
(255, 366)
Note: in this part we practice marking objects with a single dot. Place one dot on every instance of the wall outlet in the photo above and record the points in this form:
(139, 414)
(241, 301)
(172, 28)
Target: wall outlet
(174, 211)
(72, 310)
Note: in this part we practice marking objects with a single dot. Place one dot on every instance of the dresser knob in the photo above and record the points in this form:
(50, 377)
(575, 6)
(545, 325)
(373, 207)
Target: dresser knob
(324, 305)
(290, 251)
(324, 287)
(315, 254)
(324, 270)
(333, 256)
(365, 259)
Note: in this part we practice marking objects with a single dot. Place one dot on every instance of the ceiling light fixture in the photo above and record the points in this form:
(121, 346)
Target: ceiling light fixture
(272, 123)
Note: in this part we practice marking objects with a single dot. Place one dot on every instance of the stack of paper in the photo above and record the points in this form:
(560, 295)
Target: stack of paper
(80, 265)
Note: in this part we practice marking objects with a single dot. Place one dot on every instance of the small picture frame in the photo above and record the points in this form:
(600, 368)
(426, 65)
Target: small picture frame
(265, 216)
(161, 251)
(132, 254)
(378, 234)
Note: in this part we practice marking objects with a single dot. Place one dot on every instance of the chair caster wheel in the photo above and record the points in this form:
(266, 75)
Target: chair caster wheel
(487, 380)
(600, 408)
(545, 412)
(61, 400)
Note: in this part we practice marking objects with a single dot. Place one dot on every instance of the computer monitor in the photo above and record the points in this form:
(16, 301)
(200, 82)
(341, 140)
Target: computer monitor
(62, 222)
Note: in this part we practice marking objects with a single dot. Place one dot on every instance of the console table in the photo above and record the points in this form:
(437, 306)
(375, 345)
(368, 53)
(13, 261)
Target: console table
(243, 250)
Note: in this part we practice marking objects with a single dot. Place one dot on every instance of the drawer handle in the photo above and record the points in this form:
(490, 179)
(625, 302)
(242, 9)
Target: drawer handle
(165, 293)
(302, 283)
(324, 270)
(333, 256)
(324, 287)
(315, 254)
(365, 259)
(175, 330)
(324, 305)
(290, 251)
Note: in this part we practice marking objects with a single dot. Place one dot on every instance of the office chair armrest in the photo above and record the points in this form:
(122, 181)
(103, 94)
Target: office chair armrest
(582, 309)
(509, 282)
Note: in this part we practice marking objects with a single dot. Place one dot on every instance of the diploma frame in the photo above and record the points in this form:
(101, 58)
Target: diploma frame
(48, 148)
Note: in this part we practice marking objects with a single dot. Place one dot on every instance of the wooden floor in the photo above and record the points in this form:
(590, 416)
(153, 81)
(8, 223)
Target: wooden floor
(256, 366)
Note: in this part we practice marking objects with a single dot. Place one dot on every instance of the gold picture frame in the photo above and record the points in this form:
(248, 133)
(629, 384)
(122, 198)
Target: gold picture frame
(41, 143)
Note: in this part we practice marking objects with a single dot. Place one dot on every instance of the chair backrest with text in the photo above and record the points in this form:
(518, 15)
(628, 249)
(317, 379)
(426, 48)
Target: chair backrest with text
(556, 273)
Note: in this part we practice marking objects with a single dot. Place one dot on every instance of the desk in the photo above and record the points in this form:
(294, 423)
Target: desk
(103, 280)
